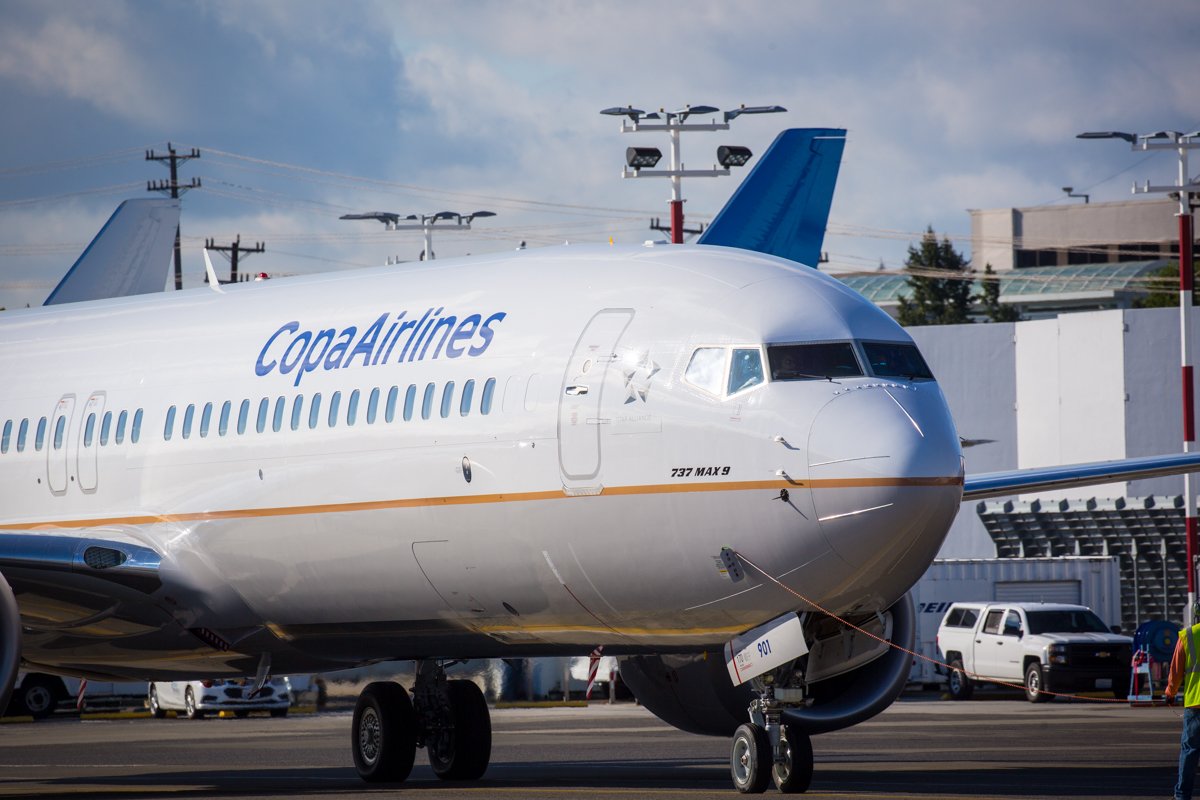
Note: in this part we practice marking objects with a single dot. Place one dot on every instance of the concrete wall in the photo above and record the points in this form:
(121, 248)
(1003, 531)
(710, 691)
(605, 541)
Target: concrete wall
(1080, 387)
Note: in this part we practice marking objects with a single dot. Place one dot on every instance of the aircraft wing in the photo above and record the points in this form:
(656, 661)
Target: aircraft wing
(130, 254)
(782, 206)
(998, 484)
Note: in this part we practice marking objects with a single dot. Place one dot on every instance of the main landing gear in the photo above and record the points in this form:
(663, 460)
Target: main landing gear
(448, 718)
(767, 749)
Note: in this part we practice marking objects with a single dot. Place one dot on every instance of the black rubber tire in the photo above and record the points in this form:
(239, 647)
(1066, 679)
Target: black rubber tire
(156, 710)
(463, 751)
(279, 712)
(750, 759)
(189, 705)
(383, 733)
(39, 695)
(958, 684)
(794, 775)
(1035, 684)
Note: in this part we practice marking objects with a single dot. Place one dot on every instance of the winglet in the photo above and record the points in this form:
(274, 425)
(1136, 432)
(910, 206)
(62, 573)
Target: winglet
(782, 206)
(130, 254)
(212, 274)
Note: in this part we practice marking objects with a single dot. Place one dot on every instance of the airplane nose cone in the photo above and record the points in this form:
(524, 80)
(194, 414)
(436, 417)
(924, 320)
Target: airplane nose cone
(886, 477)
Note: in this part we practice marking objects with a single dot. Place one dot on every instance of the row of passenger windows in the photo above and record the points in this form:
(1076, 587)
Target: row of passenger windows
(108, 432)
(274, 413)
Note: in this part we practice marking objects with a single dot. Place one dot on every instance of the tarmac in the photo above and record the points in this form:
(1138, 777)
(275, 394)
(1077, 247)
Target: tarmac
(923, 746)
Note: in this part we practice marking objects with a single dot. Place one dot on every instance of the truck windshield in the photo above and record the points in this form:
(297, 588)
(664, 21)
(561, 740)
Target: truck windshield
(1080, 621)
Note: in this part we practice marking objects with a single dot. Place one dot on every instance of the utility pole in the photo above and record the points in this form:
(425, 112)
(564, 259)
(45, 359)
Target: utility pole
(231, 251)
(1182, 189)
(640, 160)
(172, 187)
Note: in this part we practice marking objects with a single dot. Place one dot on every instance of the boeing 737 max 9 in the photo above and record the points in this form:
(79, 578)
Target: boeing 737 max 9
(711, 461)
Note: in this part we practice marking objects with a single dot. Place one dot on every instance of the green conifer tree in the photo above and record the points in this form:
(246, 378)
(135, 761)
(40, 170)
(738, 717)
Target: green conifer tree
(935, 300)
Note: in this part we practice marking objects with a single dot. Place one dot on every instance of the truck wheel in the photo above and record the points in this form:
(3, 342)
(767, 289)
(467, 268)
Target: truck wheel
(1035, 689)
(39, 695)
(960, 685)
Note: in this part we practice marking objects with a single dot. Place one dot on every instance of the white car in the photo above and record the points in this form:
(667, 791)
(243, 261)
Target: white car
(197, 698)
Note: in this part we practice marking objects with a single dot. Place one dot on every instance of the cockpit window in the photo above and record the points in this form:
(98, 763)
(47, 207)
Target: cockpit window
(706, 370)
(745, 370)
(803, 362)
(896, 360)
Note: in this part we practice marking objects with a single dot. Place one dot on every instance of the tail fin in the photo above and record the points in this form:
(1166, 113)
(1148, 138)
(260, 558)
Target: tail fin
(782, 206)
(130, 254)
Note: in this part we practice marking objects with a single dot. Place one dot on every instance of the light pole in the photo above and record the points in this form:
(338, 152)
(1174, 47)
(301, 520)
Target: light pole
(1181, 143)
(422, 222)
(639, 160)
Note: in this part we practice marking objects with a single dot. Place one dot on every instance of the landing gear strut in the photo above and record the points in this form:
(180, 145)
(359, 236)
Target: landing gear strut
(448, 718)
(768, 748)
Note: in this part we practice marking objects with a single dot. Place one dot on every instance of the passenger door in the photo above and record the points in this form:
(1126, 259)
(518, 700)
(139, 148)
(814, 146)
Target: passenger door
(87, 442)
(991, 645)
(57, 444)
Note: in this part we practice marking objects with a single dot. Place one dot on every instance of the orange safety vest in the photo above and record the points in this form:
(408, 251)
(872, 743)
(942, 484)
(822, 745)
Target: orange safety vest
(1191, 673)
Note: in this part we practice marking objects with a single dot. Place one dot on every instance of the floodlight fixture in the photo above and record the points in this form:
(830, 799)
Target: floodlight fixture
(733, 155)
(642, 157)
(386, 217)
(475, 214)
(1129, 137)
(744, 109)
(1070, 193)
(626, 111)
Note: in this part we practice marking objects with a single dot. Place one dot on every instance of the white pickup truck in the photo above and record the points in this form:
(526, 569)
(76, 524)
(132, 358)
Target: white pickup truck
(1046, 647)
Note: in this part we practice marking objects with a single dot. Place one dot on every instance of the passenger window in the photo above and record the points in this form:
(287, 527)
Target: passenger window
(297, 411)
(169, 427)
(7, 434)
(485, 403)
(970, 617)
(59, 428)
(464, 407)
(372, 406)
(243, 416)
(277, 418)
(21, 434)
(806, 362)
(122, 420)
(40, 440)
(410, 399)
(447, 399)
(105, 429)
(745, 369)
(264, 406)
(991, 623)
(223, 425)
(188, 415)
(335, 400)
(314, 411)
(706, 370)
(136, 433)
(89, 430)
(389, 412)
(427, 401)
(352, 407)
(1012, 624)
(205, 420)
(896, 360)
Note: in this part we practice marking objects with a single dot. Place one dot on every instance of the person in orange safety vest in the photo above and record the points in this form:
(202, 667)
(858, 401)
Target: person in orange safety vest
(1185, 676)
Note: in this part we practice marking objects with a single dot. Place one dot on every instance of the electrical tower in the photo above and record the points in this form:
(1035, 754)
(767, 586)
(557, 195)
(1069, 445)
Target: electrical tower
(231, 252)
(172, 187)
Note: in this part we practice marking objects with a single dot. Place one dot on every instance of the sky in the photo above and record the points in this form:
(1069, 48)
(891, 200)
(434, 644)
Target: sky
(304, 111)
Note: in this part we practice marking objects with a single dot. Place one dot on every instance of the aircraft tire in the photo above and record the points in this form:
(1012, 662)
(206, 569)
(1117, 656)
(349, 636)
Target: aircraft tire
(750, 759)
(462, 750)
(383, 733)
(794, 774)
(959, 685)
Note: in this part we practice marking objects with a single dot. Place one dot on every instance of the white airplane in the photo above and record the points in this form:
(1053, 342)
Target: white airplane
(711, 461)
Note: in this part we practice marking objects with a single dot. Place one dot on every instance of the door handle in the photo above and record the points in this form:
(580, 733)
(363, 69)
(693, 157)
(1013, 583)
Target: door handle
(576, 390)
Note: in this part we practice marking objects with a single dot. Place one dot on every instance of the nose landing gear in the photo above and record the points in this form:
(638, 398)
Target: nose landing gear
(769, 749)
(449, 718)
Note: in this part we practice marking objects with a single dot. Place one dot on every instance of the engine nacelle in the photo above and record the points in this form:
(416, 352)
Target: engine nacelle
(694, 693)
(10, 642)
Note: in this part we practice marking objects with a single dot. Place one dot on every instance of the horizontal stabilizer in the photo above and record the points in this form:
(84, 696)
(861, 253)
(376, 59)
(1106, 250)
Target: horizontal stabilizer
(130, 255)
(998, 484)
(782, 206)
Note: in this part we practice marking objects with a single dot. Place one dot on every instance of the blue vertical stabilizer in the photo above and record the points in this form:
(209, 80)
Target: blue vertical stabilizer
(782, 206)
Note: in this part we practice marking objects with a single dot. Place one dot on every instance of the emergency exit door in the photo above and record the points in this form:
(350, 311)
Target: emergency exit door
(582, 392)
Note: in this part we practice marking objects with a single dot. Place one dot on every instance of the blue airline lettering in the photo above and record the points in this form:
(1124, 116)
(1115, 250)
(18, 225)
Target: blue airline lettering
(292, 349)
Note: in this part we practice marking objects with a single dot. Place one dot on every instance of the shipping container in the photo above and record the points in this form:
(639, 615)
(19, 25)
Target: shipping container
(1091, 581)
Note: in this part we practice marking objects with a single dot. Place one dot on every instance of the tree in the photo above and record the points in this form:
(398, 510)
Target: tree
(989, 299)
(936, 300)
(1163, 288)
